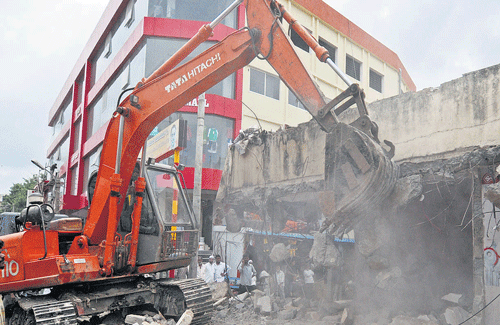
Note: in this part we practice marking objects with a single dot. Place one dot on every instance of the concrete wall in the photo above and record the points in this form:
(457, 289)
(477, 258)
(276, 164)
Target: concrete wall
(438, 122)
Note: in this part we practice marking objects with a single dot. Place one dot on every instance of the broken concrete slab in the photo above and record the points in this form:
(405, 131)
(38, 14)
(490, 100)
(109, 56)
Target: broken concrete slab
(220, 290)
(298, 302)
(406, 190)
(313, 315)
(222, 313)
(341, 304)
(186, 318)
(324, 252)
(220, 301)
(256, 295)
(368, 238)
(288, 305)
(279, 253)
(242, 296)
(455, 315)
(386, 279)
(264, 305)
(378, 263)
(452, 297)
(347, 317)
(159, 318)
(132, 319)
(406, 320)
(287, 314)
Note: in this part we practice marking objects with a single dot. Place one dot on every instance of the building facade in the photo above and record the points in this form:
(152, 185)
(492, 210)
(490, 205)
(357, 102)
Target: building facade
(134, 37)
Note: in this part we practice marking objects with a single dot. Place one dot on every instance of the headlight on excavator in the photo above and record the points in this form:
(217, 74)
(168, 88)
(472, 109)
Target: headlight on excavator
(67, 224)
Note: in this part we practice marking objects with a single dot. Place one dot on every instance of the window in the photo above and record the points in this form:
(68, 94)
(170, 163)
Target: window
(76, 136)
(129, 14)
(294, 101)
(107, 46)
(126, 77)
(264, 83)
(332, 50)
(353, 67)
(218, 134)
(79, 90)
(198, 10)
(376, 80)
(159, 50)
(74, 180)
(298, 41)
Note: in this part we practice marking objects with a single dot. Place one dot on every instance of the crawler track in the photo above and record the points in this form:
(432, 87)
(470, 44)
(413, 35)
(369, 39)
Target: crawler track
(197, 297)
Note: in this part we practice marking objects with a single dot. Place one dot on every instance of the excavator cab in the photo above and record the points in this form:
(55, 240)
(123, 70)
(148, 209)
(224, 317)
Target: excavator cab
(167, 226)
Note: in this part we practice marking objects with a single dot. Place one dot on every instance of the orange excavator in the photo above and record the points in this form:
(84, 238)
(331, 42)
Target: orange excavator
(64, 272)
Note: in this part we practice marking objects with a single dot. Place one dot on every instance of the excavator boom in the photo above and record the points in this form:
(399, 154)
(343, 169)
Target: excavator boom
(114, 249)
(163, 95)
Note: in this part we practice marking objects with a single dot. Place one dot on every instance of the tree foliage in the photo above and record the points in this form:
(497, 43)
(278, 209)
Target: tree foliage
(16, 199)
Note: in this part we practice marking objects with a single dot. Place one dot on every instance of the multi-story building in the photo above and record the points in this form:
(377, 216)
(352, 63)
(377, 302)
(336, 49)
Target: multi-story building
(134, 37)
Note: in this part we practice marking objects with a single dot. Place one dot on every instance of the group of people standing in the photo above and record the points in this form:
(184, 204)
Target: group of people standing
(213, 271)
(216, 271)
(288, 282)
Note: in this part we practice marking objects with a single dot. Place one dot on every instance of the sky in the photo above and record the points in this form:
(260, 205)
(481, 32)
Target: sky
(437, 41)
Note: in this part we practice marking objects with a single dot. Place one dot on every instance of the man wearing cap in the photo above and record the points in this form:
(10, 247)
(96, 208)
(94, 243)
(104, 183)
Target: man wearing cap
(210, 270)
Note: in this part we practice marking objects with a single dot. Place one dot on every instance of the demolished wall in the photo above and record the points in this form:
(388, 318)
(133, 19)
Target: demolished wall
(437, 122)
(427, 240)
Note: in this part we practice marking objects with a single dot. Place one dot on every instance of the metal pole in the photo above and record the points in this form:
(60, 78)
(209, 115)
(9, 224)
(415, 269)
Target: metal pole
(198, 163)
(143, 159)
(119, 145)
(226, 12)
(341, 74)
(400, 75)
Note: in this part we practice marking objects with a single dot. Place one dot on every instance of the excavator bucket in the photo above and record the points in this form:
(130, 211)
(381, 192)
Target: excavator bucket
(344, 172)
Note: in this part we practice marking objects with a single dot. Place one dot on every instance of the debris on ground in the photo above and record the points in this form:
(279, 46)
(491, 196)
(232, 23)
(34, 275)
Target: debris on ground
(257, 308)
(158, 319)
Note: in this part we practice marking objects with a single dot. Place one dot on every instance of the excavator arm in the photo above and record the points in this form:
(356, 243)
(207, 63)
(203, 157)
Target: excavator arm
(167, 90)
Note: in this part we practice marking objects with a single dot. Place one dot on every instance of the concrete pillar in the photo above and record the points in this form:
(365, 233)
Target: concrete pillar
(477, 249)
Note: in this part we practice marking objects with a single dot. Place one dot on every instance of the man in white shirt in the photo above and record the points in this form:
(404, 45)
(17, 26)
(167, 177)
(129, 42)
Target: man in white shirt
(247, 271)
(209, 270)
(280, 281)
(220, 269)
(309, 282)
(200, 269)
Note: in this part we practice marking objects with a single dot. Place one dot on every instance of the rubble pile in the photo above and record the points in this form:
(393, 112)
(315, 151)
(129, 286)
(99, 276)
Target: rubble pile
(258, 308)
(133, 319)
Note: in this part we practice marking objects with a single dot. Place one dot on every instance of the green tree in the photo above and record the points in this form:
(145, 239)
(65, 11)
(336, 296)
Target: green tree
(16, 199)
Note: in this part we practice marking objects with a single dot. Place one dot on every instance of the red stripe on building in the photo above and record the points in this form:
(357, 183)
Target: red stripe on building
(210, 178)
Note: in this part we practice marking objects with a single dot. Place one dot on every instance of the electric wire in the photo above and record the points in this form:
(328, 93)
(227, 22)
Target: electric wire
(258, 121)
(480, 310)
(121, 94)
(270, 36)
